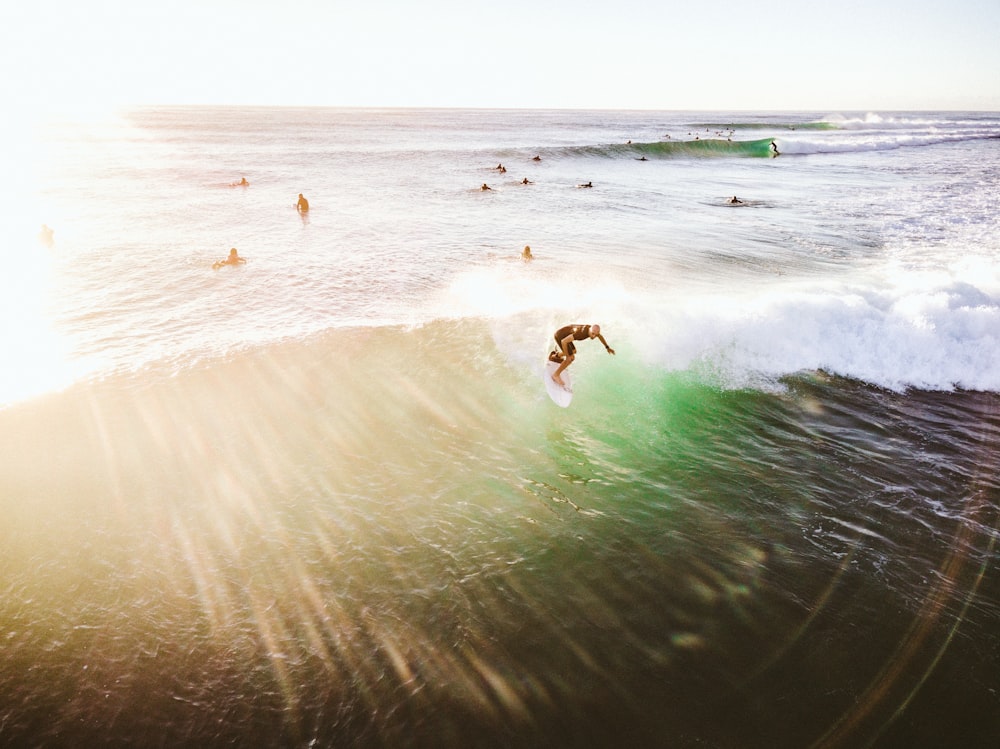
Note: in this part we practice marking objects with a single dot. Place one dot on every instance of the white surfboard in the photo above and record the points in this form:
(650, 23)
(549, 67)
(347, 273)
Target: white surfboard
(561, 396)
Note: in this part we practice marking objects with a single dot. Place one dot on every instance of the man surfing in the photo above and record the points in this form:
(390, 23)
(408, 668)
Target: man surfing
(566, 350)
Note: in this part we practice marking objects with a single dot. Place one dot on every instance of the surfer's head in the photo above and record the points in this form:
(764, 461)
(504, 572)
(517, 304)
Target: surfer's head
(595, 330)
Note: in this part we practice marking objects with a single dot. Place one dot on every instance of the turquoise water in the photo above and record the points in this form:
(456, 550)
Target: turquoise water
(323, 499)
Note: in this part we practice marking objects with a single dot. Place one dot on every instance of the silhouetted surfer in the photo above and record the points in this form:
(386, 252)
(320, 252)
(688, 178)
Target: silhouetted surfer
(589, 184)
(565, 351)
(485, 187)
(774, 150)
(734, 200)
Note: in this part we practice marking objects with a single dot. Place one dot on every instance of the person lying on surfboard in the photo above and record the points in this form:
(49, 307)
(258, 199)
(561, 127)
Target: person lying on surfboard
(233, 259)
(566, 350)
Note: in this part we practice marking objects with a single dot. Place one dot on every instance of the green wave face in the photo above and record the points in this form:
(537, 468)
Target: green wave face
(709, 147)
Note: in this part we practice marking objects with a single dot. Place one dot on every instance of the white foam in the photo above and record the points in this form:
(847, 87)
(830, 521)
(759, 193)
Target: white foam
(928, 331)
(875, 132)
(895, 327)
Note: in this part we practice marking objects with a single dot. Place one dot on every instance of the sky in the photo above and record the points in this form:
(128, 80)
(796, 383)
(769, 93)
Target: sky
(877, 55)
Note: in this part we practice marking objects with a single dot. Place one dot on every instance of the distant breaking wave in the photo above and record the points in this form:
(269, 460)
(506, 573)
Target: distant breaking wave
(673, 148)
(760, 148)
(832, 134)
(850, 139)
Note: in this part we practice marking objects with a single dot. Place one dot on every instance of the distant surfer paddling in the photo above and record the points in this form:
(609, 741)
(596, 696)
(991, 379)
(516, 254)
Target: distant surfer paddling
(233, 259)
(565, 351)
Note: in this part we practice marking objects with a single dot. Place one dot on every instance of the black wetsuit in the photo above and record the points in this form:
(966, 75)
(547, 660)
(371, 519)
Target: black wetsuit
(580, 333)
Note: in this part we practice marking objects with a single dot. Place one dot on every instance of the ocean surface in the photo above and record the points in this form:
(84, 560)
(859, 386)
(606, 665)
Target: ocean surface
(322, 498)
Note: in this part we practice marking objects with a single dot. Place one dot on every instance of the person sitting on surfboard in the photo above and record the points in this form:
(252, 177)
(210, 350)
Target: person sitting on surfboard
(233, 259)
(302, 206)
(566, 350)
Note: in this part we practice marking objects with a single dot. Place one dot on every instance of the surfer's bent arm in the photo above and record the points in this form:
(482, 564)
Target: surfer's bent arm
(606, 346)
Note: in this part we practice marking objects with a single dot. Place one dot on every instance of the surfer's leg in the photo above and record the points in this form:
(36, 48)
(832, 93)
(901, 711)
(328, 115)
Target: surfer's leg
(555, 375)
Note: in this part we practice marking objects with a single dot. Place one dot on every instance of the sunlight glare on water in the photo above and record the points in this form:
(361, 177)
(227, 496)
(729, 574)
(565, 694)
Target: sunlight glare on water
(34, 356)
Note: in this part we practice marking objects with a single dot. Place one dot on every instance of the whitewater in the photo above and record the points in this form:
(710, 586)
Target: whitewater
(322, 498)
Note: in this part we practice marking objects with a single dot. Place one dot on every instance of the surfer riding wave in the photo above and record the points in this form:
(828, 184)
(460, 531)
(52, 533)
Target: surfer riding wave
(565, 351)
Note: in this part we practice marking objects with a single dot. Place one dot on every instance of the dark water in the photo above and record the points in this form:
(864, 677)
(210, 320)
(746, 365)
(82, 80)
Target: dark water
(301, 546)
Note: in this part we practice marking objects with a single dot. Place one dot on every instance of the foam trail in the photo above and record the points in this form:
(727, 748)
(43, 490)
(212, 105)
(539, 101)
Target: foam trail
(919, 331)
(898, 329)
(875, 132)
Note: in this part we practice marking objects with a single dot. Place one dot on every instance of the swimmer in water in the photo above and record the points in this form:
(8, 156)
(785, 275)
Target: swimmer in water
(302, 206)
(485, 187)
(233, 259)
(734, 200)
(526, 255)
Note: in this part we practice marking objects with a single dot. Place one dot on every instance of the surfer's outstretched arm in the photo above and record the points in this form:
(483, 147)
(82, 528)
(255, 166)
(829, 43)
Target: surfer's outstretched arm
(606, 346)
